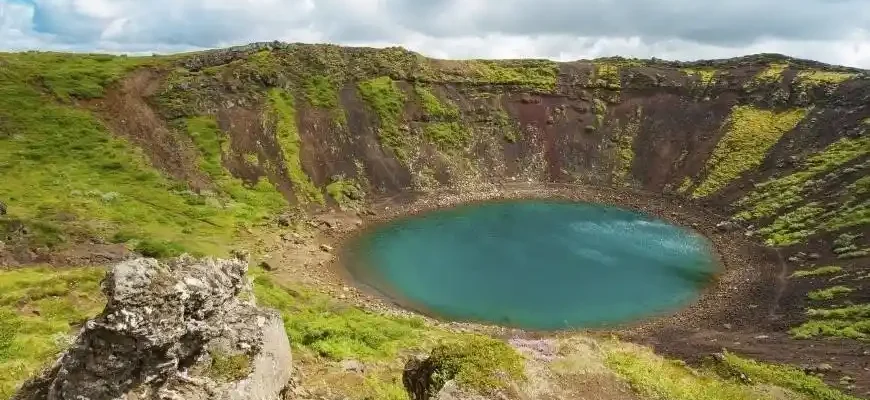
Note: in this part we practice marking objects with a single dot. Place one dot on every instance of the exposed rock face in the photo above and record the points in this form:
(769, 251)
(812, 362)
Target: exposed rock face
(167, 332)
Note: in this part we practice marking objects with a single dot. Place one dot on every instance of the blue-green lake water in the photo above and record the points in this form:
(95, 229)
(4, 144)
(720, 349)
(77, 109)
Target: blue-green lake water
(540, 265)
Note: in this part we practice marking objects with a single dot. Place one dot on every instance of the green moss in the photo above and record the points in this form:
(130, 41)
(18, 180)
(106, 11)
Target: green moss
(845, 243)
(833, 328)
(322, 326)
(848, 215)
(158, 248)
(813, 78)
(538, 75)
(229, 367)
(771, 74)
(251, 159)
(829, 293)
(346, 192)
(599, 108)
(786, 377)
(706, 77)
(246, 202)
(436, 109)
(444, 128)
(447, 136)
(322, 92)
(607, 75)
(504, 124)
(39, 308)
(478, 362)
(625, 146)
(380, 390)
(852, 322)
(658, 378)
(281, 108)
(774, 195)
(794, 226)
(861, 186)
(685, 185)
(387, 101)
(751, 132)
(826, 270)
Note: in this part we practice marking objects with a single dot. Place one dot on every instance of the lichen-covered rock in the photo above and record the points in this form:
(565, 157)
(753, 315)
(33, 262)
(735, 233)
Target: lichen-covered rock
(184, 329)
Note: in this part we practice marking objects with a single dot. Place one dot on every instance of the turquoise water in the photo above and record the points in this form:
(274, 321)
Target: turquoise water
(538, 265)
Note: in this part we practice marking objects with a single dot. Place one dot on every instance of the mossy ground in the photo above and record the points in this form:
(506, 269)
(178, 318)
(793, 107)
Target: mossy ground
(282, 109)
(826, 270)
(750, 133)
(39, 308)
(658, 378)
(387, 101)
(851, 322)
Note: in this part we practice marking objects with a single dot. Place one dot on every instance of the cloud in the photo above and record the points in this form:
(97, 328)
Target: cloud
(834, 31)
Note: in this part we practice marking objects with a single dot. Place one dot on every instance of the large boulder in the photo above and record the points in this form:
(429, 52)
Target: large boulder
(182, 329)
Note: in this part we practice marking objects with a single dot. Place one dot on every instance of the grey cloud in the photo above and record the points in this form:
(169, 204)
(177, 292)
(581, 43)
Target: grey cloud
(733, 22)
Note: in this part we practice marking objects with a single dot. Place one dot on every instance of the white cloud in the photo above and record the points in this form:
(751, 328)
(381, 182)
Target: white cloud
(833, 31)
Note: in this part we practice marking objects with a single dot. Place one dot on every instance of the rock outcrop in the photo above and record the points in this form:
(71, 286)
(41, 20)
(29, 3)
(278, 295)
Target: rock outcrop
(184, 329)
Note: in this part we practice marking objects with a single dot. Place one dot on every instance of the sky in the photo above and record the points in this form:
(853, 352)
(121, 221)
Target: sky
(832, 31)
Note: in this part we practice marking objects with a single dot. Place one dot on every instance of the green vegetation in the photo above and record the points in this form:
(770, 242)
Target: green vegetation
(826, 270)
(387, 100)
(814, 78)
(68, 178)
(282, 109)
(659, 378)
(322, 326)
(706, 76)
(751, 133)
(505, 125)
(447, 136)
(39, 309)
(786, 377)
(794, 226)
(772, 74)
(829, 293)
(229, 368)
(852, 322)
(845, 247)
(444, 128)
(774, 195)
(381, 390)
(607, 76)
(625, 135)
(322, 92)
(346, 192)
(247, 202)
(685, 185)
(478, 362)
(599, 107)
(436, 109)
(538, 75)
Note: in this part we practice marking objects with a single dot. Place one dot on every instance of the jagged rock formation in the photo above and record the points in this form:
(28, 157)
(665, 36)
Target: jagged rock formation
(183, 329)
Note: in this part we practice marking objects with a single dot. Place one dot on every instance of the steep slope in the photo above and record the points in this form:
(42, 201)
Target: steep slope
(199, 152)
